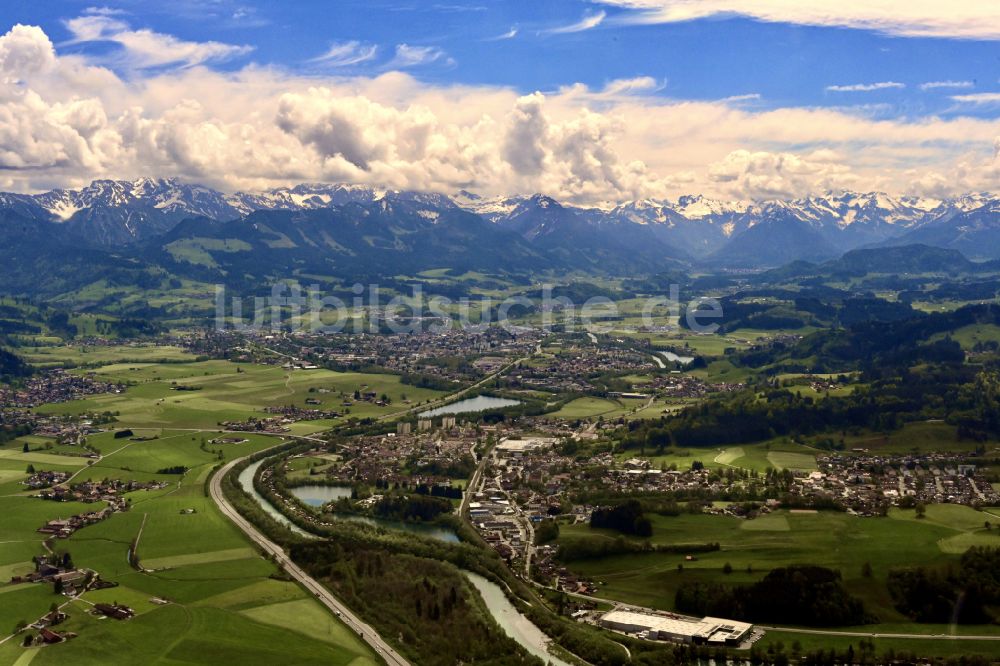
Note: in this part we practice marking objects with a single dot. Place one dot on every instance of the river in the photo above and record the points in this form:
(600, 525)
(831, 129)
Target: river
(515, 625)
(478, 404)
(246, 480)
(507, 616)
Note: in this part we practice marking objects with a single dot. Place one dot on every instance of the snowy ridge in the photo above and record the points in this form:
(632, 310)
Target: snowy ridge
(120, 211)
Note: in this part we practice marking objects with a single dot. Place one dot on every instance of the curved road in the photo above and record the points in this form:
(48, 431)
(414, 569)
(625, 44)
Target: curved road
(324, 595)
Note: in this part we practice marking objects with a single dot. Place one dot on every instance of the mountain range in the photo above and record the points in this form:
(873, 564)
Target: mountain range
(344, 229)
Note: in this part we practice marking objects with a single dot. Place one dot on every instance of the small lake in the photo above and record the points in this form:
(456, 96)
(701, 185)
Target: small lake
(674, 358)
(515, 625)
(478, 404)
(317, 495)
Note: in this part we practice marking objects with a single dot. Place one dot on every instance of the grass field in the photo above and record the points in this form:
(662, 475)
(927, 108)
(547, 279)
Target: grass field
(590, 407)
(96, 354)
(970, 336)
(234, 392)
(225, 606)
(836, 540)
(920, 437)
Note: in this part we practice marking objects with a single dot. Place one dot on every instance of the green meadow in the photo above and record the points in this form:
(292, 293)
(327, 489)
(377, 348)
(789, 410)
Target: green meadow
(226, 602)
(80, 354)
(227, 391)
(752, 547)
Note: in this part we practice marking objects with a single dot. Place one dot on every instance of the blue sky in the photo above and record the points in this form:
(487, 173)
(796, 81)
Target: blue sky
(907, 64)
(707, 59)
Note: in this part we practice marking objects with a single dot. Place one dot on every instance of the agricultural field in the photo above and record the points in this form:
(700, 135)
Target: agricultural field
(221, 591)
(923, 437)
(225, 391)
(777, 454)
(590, 407)
(91, 355)
(226, 603)
(752, 547)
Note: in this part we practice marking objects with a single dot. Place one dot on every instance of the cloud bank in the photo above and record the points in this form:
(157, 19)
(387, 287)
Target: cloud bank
(959, 19)
(65, 120)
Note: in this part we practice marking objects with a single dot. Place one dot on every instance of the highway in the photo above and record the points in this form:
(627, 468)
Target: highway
(369, 635)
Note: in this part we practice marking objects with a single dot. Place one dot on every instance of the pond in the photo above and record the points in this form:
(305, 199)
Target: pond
(317, 495)
(514, 624)
(478, 404)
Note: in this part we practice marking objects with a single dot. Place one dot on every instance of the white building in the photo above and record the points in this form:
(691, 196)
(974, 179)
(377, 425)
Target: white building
(516, 448)
(708, 630)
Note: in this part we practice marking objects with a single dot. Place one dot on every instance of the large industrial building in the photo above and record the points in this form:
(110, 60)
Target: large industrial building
(706, 631)
(518, 448)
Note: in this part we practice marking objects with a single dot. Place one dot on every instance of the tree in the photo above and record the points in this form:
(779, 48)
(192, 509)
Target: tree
(31, 469)
(727, 568)
(866, 570)
(25, 448)
(921, 509)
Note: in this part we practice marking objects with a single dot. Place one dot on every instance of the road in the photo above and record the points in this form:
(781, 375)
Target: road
(473, 485)
(868, 634)
(369, 635)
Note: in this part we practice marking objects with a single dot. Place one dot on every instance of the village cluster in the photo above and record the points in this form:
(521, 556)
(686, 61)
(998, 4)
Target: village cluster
(427, 354)
(110, 491)
(868, 482)
(55, 386)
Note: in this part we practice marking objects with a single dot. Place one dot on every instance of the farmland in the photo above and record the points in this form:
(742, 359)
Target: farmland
(225, 603)
(224, 391)
(753, 547)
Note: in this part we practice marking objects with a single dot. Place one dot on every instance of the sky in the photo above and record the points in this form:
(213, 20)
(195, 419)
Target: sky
(588, 101)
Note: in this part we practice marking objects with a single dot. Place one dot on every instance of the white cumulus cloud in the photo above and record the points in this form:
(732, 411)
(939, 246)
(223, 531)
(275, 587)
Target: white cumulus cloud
(66, 119)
